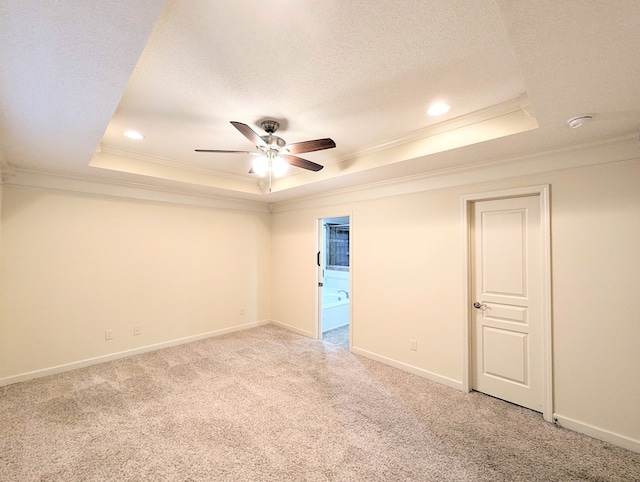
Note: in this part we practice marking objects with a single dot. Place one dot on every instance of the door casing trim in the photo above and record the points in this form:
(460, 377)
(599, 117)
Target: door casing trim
(317, 330)
(543, 193)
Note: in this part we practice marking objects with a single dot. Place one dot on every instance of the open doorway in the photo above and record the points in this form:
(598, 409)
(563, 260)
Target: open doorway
(334, 280)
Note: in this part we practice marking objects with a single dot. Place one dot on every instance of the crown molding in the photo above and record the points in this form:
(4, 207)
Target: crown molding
(28, 178)
(130, 162)
(520, 104)
(622, 149)
(496, 121)
(488, 124)
(106, 149)
(601, 153)
(6, 173)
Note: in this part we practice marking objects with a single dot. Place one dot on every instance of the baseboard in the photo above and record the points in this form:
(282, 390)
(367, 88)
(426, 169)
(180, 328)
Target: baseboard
(598, 433)
(295, 329)
(23, 377)
(434, 377)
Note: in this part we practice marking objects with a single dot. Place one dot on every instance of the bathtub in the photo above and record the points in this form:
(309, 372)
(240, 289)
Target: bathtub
(335, 309)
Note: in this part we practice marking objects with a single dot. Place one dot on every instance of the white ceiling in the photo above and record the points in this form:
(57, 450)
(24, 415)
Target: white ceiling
(76, 74)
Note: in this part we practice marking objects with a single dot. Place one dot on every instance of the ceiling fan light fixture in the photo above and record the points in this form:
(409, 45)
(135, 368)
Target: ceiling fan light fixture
(279, 167)
(260, 166)
(263, 165)
(274, 154)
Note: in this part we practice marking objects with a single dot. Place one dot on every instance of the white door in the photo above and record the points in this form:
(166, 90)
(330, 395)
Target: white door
(507, 331)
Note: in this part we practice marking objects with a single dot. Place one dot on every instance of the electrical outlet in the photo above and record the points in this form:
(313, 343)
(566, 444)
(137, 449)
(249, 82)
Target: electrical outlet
(136, 330)
(242, 311)
(414, 344)
(108, 335)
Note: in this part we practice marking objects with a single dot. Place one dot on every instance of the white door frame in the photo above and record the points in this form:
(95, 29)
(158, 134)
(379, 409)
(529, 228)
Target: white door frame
(317, 331)
(542, 192)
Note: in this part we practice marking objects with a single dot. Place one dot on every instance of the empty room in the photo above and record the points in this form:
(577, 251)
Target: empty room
(298, 240)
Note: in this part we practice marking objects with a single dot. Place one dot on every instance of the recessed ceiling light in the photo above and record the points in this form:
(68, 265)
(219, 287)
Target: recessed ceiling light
(133, 135)
(439, 108)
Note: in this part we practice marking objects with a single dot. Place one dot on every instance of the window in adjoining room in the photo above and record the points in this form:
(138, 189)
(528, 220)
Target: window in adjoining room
(338, 247)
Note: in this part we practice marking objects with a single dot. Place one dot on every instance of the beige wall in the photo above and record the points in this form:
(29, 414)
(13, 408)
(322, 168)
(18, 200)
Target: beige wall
(75, 265)
(408, 283)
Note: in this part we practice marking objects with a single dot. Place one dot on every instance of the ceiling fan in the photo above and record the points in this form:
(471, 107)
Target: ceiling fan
(274, 154)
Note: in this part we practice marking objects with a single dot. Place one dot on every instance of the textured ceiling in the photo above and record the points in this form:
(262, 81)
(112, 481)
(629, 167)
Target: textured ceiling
(77, 74)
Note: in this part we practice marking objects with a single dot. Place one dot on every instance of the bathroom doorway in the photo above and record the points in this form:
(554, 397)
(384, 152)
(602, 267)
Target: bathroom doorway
(334, 281)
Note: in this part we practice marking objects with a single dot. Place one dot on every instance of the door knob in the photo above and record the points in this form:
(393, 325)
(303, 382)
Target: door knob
(479, 305)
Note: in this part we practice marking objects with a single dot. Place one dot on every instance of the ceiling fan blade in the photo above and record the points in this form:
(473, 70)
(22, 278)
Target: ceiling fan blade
(249, 133)
(223, 151)
(310, 146)
(300, 162)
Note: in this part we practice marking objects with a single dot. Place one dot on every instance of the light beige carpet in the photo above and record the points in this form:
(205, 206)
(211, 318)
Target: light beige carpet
(268, 405)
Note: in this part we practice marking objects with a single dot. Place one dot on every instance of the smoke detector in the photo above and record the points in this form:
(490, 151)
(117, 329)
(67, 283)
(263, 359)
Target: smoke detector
(576, 122)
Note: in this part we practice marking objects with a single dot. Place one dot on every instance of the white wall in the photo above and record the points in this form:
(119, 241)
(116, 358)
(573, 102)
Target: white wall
(408, 283)
(75, 265)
